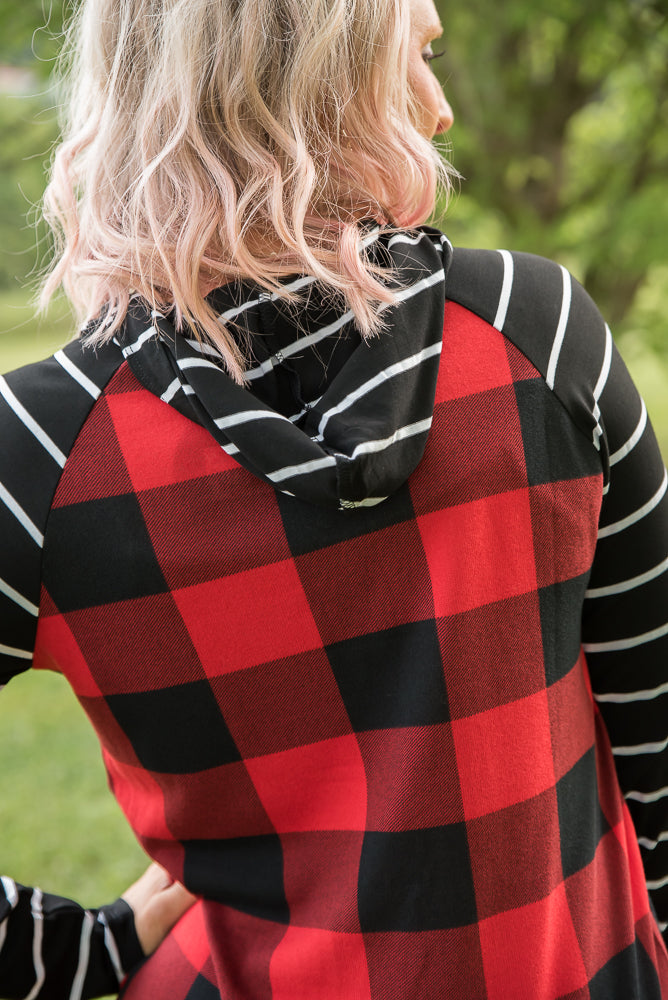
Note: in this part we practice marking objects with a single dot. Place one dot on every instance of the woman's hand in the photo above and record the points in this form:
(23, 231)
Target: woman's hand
(157, 902)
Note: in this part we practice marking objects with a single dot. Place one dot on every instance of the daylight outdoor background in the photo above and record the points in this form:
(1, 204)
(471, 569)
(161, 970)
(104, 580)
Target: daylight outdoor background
(561, 138)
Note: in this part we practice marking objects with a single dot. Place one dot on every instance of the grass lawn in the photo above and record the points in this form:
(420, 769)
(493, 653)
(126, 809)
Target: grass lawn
(24, 337)
(61, 827)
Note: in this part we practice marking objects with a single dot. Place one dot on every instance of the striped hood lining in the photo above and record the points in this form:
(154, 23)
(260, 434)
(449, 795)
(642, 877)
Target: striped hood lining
(359, 441)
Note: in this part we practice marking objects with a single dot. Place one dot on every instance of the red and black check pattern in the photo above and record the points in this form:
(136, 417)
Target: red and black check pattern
(368, 741)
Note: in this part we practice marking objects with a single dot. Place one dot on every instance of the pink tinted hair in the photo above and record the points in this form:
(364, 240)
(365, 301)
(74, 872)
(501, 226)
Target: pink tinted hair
(207, 140)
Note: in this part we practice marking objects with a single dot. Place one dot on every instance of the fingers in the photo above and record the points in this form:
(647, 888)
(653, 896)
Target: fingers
(155, 879)
(157, 902)
(174, 901)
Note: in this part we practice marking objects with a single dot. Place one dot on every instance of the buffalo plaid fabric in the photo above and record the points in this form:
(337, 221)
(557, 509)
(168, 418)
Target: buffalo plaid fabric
(383, 744)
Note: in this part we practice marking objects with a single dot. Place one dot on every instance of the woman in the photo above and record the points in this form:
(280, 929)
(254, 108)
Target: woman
(352, 546)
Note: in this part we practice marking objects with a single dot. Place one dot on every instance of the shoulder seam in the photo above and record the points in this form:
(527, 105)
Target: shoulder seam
(81, 378)
(593, 434)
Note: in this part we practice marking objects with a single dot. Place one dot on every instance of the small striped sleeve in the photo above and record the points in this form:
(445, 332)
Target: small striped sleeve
(53, 949)
(625, 620)
(553, 321)
(625, 612)
(42, 409)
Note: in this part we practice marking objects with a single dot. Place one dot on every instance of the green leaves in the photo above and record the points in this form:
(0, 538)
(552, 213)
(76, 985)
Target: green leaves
(29, 31)
(28, 128)
(562, 135)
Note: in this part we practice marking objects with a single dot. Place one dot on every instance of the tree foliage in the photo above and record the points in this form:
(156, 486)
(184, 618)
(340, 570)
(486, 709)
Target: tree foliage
(562, 136)
(29, 129)
(30, 32)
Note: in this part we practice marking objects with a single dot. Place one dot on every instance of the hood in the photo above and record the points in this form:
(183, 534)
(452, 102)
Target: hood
(358, 441)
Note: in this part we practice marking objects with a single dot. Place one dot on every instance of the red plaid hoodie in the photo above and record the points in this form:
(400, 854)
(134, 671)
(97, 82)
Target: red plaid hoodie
(375, 646)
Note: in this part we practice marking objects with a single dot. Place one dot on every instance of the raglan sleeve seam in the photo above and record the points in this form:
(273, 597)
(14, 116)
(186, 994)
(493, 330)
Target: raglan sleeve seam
(34, 454)
(552, 321)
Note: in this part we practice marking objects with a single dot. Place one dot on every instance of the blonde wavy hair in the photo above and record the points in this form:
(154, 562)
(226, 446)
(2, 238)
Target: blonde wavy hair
(210, 140)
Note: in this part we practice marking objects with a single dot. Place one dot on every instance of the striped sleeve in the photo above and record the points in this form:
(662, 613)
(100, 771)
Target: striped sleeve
(552, 320)
(625, 621)
(53, 949)
(42, 409)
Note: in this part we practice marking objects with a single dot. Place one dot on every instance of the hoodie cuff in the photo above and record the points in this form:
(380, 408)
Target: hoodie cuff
(121, 941)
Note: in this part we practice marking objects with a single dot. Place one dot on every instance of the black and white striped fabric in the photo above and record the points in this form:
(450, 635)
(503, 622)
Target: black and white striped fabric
(343, 423)
(42, 409)
(361, 438)
(74, 953)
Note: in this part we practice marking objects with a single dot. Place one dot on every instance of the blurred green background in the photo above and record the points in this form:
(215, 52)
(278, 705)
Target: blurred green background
(561, 138)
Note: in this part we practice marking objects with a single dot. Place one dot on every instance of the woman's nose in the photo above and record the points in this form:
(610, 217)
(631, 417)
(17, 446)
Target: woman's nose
(445, 116)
